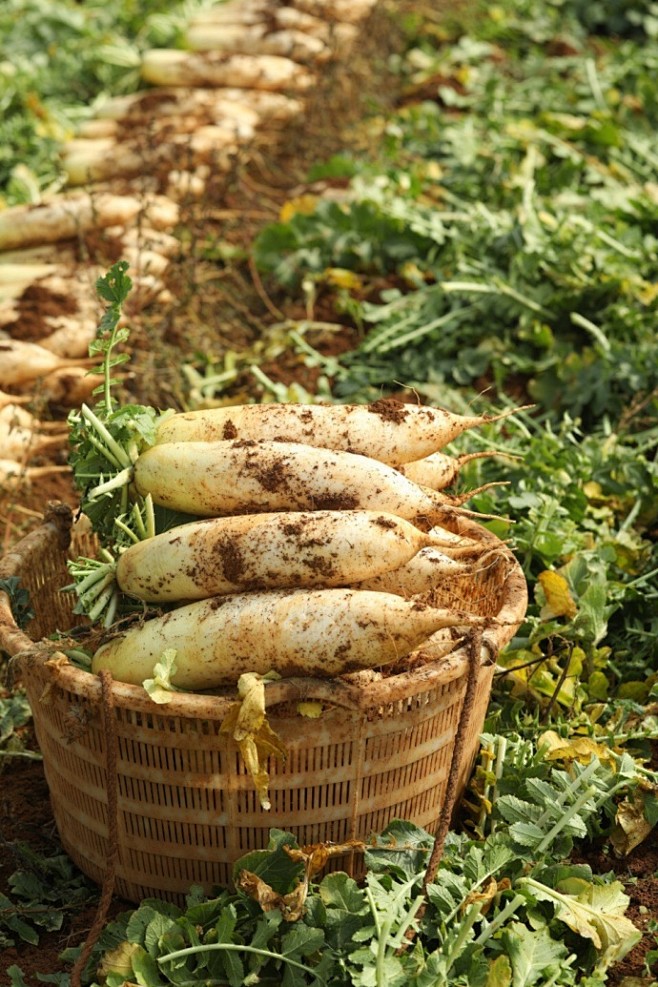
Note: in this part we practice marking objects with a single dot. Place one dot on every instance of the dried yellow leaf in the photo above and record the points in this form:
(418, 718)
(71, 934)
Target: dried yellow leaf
(559, 601)
(304, 204)
(246, 722)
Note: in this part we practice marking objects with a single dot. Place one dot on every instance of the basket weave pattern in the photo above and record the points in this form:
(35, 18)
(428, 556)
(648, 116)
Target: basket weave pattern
(186, 807)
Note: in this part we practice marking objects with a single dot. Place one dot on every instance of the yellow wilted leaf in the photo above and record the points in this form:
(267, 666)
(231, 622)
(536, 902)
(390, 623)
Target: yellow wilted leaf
(631, 825)
(304, 204)
(247, 724)
(581, 749)
(649, 293)
(119, 960)
(486, 895)
(559, 601)
(341, 277)
(290, 905)
(500, 972)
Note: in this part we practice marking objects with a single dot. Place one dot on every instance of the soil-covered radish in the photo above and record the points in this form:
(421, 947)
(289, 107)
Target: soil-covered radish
(439, 470)
(324, 632)
(211, 479)
(426, 570)
(272, 550)
(388, 430)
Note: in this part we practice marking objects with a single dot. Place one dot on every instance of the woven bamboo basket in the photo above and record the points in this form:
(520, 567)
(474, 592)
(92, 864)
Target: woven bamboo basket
(185, 807)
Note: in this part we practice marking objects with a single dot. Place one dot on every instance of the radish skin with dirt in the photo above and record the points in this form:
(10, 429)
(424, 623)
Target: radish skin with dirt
(210, 479)
(425, 571)
(439, 470)
(266, 551)
(388, 430)
(325, 632)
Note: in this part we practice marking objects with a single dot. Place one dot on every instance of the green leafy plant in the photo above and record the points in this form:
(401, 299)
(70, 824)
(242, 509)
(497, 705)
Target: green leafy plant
(507, 900)
(43, 890)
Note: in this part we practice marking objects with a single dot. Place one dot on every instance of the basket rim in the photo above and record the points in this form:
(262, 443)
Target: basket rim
(441, 669)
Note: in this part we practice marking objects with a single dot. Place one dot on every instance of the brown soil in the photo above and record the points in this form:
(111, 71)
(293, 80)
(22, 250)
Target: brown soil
(218, 307)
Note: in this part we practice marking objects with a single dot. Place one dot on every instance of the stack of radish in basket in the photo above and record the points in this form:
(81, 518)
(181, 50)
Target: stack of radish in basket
(295, 539)
(307, 549)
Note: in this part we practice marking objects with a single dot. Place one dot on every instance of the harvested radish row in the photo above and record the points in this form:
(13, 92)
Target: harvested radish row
(172, 67)
(209, 479)
(324, 632)
(388, 430)
(263, 551)
(67, 217)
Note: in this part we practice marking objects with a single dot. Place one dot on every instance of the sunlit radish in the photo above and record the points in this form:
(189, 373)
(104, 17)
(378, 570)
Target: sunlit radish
(429, 568)
(256, 39)
(23, 362)
(68, 387)
(174, 67)
(439, 470)
(388, 430)
(13, 399)
(322, 632)
(270, 550)
(243, 477)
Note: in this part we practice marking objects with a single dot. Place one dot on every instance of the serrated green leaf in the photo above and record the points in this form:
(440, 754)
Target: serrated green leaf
(527, 834)
(341, 893)
(514, 809)
(532, 953)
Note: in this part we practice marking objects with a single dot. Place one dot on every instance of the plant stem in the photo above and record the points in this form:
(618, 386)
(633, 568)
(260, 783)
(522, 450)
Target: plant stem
(235, 948)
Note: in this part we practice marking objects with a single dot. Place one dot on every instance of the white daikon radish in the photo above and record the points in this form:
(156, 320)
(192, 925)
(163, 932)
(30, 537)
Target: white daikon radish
(439, 470)
(97, 129)
(68, 387)
(136, 238)
(14, 476)
(99, 160)
(243, 12)
(63, 218)
(18, 442)
(388, 430)
(268, 551)
(23, 362)
(15, 415)
(13, 399)
(429, 568)
(201, 104)
(71, 338)
(184, 186)
(24, 274)
(50, 254)
(172, 67)
(324, 632)
(209, 479)
(351, 11)
(293, 18)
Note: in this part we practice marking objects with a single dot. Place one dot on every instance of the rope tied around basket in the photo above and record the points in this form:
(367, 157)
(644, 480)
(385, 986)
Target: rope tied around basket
(108, 723)
(475, 643)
